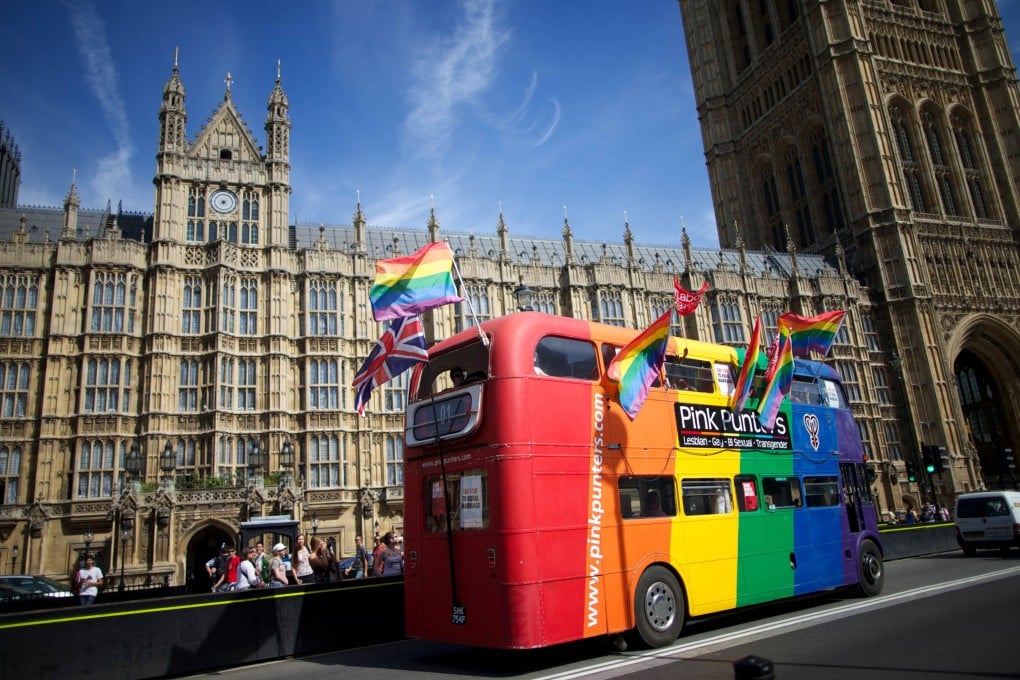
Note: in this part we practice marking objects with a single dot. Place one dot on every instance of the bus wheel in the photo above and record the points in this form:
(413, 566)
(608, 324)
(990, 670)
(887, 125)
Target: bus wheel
(658, 607)
(870, 571)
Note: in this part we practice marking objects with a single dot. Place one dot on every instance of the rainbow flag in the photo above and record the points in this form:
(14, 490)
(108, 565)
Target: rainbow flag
(412, 284)
(637, 365)
(742, 388)
(778, 385)
(814, 334)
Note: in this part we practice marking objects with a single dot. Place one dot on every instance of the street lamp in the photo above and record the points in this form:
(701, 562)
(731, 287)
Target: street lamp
(87, 536)
(167, 459)
(315, 523)
(133, 462)
(287, 455)
(256, 456)
(525, 296)
(14, 559)
(125, 536)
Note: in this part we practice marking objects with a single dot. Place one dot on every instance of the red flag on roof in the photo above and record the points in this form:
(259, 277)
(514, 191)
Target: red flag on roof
(686, 301)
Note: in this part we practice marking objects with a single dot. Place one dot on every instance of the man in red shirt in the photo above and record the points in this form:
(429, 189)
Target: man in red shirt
(228, 581)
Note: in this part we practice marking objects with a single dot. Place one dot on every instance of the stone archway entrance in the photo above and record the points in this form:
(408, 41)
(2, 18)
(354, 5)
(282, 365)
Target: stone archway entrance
(204, 545)
(992, 431)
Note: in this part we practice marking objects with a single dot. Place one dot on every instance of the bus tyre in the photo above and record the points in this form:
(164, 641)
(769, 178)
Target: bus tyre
(870, 571)
(658, 607)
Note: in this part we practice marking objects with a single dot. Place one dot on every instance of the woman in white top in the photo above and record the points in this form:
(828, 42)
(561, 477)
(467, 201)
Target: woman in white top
(302, 568)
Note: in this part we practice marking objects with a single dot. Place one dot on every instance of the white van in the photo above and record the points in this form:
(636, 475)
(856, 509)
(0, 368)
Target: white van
(988, 519)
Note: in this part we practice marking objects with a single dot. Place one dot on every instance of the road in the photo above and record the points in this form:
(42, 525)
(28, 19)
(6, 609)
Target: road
(945, 617)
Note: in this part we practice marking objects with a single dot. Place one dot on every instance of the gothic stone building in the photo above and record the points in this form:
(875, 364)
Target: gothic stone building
(166, 377)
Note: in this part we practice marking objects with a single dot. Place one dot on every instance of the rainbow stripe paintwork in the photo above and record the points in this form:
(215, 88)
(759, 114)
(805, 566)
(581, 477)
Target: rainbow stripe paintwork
(637, 365)
(413, 284)
(814, 334)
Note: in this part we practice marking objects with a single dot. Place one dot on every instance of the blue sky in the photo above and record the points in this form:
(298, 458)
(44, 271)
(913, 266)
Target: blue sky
(466, 105)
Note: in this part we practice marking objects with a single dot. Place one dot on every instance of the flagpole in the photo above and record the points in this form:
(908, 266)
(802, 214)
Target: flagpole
(471, 307)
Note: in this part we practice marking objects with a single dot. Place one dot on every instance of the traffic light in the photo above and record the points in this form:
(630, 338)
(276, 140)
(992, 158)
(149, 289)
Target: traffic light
(941, 459)
(929, 458)
(911, 471)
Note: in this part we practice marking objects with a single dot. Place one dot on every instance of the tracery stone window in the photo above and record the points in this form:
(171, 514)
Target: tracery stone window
(832, 205)
(196, 216)
(14, 388)
(940, 163)
(95, 469)
(772, 208)
(323, 308)
(10, 473)
(324, 462)
(908, 158)
(726, 321)
(107, 385)
(798, 195)
(114, 295)
(607, 307)
(191, 306)
(969, 153)
(19, 302)
(394, 460)
(323, 384)
(250, 218)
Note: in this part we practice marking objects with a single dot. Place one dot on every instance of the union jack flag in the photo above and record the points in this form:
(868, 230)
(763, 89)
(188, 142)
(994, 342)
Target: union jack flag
(401, 346)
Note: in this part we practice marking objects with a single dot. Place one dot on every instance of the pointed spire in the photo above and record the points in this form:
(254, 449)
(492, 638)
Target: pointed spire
(741, 249)
(359, 226)
(228, 80)
(71, 204)
(433, 223)
(685, 243)
(840, 254)
(791, 248)
(172, 114)
(568, 239)
(503, 234)
(628, 239)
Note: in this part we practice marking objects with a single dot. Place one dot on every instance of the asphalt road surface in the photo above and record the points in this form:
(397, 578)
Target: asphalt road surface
(945, 617)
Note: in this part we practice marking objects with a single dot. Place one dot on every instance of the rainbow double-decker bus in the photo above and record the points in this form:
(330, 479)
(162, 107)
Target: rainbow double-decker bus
(537, 512)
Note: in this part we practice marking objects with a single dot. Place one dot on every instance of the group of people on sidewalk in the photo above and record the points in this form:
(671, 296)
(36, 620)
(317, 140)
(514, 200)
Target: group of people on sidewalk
(315, 563)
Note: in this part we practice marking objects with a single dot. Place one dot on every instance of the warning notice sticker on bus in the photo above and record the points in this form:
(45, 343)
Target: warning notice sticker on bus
(712, 427)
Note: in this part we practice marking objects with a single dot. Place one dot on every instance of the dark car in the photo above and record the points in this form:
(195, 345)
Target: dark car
(9, 593)
(36, 586)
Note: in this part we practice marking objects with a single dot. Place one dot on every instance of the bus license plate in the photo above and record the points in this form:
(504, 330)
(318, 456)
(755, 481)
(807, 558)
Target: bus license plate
(459, 615)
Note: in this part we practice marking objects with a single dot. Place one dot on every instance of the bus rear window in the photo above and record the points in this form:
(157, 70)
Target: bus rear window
(465, 501)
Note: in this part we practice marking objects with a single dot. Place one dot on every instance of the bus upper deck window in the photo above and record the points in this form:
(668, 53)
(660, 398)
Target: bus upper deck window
(566, 358)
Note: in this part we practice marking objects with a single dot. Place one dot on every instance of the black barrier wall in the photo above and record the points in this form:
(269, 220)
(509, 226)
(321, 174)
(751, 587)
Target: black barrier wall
(195, 633)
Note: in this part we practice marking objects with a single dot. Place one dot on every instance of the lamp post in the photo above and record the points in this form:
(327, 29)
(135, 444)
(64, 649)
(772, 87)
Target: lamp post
(14, 559)
(133, 462)
(525, 297)
(315, 523)
(87, 536)
(125, 536)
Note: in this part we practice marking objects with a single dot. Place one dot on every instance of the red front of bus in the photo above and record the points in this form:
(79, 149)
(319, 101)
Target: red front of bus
(496, 536)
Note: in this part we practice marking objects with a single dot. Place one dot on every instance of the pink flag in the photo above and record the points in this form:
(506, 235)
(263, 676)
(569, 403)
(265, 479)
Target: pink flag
(686, 301)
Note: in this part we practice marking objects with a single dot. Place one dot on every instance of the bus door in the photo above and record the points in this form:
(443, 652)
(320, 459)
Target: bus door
(854, 495)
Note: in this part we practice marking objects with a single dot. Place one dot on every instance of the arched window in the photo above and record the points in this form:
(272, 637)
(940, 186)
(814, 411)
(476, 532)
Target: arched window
(939, 162)
(969, 154)
(798, 195)
(908, 158)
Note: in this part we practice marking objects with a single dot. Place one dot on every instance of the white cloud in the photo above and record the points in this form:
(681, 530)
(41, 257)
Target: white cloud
(450, 74)
(113, 173)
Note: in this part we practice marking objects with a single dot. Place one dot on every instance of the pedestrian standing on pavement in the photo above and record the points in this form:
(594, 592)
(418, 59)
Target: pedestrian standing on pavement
(247, 577)
(360, 565)
(389, 561)
(277, 573)
(302, 568)
(90, 578)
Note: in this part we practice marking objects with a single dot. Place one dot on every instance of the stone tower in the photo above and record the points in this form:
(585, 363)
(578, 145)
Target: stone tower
(885, 129)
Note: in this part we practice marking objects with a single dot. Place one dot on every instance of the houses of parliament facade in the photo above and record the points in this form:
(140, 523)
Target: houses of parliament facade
(165, 377)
